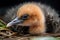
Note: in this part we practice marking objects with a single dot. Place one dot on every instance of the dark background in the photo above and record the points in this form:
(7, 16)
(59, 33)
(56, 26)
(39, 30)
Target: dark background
(4, 4)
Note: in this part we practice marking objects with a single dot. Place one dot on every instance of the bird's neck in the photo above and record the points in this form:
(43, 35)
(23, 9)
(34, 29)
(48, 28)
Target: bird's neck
(37, 29)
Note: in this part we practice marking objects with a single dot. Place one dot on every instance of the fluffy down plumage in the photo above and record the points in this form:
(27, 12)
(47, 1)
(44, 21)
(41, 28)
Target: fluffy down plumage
(42, 18)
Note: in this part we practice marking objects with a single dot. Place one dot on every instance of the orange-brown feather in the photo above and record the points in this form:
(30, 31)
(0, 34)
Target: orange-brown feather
(36, 18)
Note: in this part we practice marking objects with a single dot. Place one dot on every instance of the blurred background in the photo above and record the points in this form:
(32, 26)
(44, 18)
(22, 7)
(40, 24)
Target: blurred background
(5, 4)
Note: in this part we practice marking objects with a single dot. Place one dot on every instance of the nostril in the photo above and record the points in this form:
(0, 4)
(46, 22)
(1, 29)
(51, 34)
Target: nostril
(14, 21)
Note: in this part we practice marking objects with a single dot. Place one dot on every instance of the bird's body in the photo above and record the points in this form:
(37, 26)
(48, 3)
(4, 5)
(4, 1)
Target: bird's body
(38, 17)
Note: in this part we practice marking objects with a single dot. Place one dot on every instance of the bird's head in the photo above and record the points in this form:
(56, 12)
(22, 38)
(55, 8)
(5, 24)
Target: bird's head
(28, 15)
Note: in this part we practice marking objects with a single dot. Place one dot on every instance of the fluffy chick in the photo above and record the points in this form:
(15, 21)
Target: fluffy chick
(30, 15)
(37, 17)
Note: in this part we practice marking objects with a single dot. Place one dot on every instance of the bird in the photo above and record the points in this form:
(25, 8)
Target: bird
(40, 18)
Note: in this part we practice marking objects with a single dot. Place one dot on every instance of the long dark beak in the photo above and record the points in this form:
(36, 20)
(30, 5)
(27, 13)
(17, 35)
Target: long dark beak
(14, 22)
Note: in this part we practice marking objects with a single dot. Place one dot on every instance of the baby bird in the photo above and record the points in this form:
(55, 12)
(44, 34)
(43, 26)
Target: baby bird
(36, 16)
(30, 15)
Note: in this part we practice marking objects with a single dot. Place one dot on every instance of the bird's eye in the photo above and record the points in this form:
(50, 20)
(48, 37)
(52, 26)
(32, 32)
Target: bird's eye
(24, 17)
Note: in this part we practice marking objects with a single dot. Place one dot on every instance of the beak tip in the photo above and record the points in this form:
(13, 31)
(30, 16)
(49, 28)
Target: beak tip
(8, 25)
